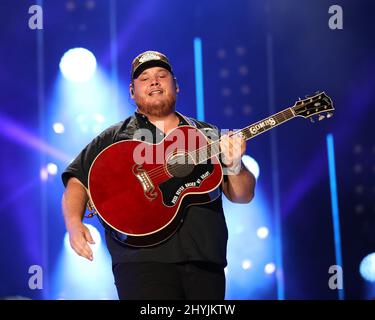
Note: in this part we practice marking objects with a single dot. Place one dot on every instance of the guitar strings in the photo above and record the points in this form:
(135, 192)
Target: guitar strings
(160, 170)
(198, 152)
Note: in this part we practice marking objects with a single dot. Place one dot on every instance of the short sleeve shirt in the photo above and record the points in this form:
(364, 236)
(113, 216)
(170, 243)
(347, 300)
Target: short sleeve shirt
(203, 234)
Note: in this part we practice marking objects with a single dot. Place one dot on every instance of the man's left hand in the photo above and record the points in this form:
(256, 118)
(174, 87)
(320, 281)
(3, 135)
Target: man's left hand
(233, 147)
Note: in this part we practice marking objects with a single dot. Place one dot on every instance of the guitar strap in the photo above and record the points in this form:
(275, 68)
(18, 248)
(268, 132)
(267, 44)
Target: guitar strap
(188, 120)
(204, 129)
(130, 126)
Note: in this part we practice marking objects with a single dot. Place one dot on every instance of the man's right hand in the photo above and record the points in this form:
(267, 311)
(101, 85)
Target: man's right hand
(79, 237)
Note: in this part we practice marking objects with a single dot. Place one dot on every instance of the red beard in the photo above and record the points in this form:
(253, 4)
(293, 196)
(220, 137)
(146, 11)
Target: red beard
(158, 108)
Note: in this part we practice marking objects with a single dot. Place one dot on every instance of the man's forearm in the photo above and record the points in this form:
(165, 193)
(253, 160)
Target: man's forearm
(74, 202)
(240, 187)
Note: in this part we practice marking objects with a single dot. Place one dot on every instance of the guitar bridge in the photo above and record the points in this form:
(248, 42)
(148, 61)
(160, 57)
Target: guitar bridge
(145, 181)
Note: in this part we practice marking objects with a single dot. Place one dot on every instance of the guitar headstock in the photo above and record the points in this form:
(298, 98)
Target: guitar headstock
(319, 103)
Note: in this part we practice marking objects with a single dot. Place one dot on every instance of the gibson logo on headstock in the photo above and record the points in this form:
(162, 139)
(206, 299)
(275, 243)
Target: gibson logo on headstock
(268, 122)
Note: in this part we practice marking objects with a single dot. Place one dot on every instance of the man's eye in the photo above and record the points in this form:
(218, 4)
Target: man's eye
(144, 79)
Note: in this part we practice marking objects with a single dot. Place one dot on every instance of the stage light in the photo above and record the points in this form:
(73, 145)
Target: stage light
(70, 6)
(58, 127)
(245, 89)
(367, 267)
(90, 4)
(228, 111)
(78, 65)
(99, 118)
(43, 174)
(224, 73)
(222, 54)
(240, 50)
(243, 70)
(52, 168)
(77, 278)
(247, 109)
(246, 264)
(262, 232)
(269, 268)
(226, 92)
(251, 165)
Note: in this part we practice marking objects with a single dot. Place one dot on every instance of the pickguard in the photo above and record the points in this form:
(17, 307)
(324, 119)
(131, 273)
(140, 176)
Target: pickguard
(173, 189)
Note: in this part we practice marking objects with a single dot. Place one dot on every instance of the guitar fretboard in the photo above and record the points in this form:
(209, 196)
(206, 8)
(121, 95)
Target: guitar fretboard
(213, 149)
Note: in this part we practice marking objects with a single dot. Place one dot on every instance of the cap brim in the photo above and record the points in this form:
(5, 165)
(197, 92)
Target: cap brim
(149, 64)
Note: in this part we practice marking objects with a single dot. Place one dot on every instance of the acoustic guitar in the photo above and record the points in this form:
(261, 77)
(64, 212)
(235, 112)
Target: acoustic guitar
(140, 191)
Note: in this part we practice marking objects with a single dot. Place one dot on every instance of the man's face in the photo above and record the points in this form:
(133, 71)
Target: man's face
(154, 92)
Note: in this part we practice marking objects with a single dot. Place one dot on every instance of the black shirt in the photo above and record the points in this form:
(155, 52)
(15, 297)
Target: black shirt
(203, 234)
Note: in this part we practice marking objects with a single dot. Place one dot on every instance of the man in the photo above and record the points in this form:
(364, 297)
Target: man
(190, 264)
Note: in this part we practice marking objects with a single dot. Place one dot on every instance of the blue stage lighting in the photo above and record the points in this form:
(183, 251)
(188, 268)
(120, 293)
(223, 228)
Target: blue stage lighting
(75, 277)
(247, 264)
(262, 232)
(367, 267)
(52, 169)
(43, 174)
(58, 127)
(78, 65)
(269, 268)
(252, 165)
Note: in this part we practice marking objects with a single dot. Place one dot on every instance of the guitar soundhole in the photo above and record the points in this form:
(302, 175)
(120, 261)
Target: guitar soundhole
(180, 165)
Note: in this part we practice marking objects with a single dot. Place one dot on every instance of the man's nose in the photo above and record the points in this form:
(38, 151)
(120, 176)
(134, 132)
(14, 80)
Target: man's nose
(155, 82)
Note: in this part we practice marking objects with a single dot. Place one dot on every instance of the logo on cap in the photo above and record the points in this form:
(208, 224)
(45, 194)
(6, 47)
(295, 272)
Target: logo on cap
(148, 59)
(149, 56)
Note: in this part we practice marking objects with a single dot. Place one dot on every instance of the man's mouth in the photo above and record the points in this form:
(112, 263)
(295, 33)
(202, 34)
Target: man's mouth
(155, 92)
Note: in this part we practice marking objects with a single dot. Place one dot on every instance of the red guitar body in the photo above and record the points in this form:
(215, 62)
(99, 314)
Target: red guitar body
(141, 190)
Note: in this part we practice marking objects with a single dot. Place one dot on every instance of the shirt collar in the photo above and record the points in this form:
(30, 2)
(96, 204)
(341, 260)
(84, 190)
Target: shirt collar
(144, 118)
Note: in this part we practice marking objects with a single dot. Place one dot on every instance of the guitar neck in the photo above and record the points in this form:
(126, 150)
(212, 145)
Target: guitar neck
(266, 124)
(247, 133)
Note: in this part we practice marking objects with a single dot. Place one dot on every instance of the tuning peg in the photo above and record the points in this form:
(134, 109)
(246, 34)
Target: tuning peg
(321, 117)
(312, 120)
(329, 115)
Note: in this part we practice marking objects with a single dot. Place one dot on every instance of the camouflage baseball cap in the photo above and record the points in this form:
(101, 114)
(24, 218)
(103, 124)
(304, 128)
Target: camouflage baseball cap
(149, 59)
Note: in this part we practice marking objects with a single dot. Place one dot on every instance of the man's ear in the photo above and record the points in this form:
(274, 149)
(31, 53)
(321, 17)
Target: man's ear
(131, 90)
